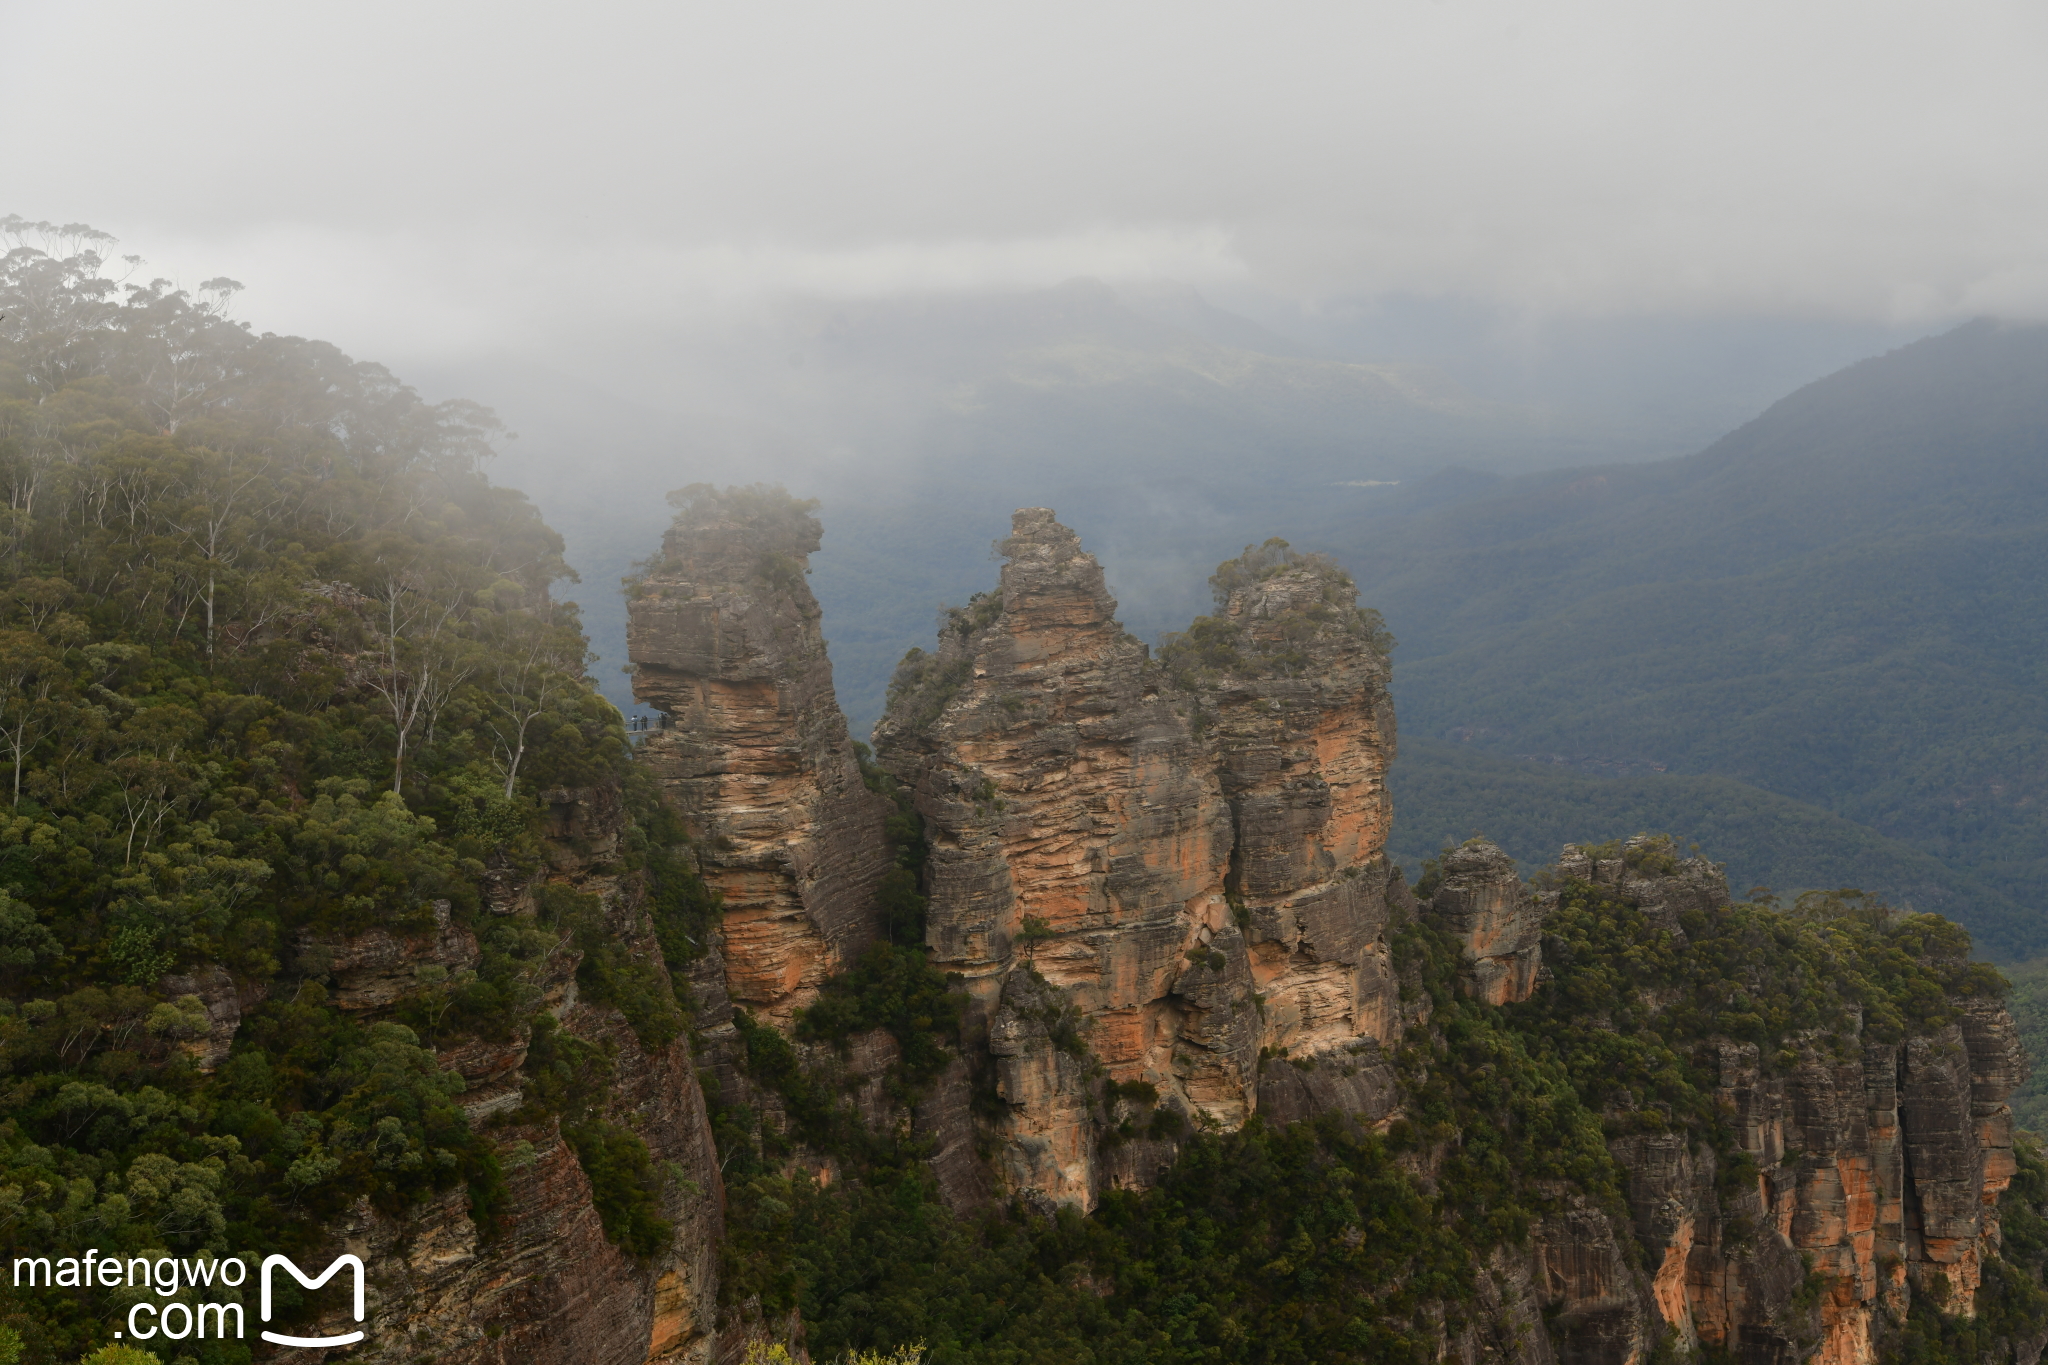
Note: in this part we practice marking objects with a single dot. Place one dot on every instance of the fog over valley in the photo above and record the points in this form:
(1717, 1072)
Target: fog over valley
(914, 684)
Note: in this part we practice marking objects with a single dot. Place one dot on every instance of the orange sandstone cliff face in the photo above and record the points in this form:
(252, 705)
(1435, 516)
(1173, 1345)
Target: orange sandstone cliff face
(546, 1287)
(1124, 861)
(1063, 793)
(1162, 885)
(1880, 1170)
(723, 634)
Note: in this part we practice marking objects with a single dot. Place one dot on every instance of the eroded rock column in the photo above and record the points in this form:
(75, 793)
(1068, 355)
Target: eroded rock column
(725, 640)
(1186, 852)
(1480, 901)
(1291, 681)
(1078, 832)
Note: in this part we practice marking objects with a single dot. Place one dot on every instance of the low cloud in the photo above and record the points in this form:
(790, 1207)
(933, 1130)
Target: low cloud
(449, 175)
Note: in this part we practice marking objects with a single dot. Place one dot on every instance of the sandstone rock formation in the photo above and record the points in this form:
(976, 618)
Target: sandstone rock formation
(372, 971)
(1187, 859)
(547, 1288)
(1880, 1168)
(215, 992)
(1480, 901)
(1291, 685)
(724, 638)
(1161, 884)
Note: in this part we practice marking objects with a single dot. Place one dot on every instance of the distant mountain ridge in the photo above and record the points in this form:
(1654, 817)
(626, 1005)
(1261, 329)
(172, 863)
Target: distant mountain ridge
(1842, 602)
(1171, 430)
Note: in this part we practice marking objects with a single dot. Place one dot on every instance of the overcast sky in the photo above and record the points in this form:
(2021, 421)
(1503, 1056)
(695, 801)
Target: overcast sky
(406, 177)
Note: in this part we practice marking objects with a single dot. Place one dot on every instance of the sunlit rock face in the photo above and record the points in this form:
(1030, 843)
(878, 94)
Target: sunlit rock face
(724, 636)
(1188, 858)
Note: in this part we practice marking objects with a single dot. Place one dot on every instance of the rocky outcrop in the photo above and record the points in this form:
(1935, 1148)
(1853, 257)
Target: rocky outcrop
(1184, 858)
(374, 970)
(723, 634)
(1067, 799)
(1586, 1280)
(1042, 1073)
(543, 1285)
(1290, 680)
(1860, 1174)
(1650, 875)
(215, 992)
(549, 1286)
(1498, 925)
(1479, 899)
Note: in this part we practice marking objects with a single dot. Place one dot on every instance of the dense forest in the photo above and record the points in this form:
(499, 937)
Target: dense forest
(1839, 604)
(278, 665)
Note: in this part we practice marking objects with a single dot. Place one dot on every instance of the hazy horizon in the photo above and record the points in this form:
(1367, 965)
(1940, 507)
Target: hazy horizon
(800, 244)
(512, 180)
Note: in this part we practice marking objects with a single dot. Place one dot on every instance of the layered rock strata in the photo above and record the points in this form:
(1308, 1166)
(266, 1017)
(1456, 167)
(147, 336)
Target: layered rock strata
(1294, 702)
(1168, 870)
(1876, 1171)
(723, 634)
(1481, 902)
(546, 1287)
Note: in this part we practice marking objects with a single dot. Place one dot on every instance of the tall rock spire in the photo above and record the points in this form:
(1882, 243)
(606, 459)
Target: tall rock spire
(724, 637)
(1079, 842)
(1290, 677)
(1125, 855)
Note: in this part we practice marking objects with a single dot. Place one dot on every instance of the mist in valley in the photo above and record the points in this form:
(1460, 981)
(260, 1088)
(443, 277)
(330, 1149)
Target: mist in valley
(1668, 383)
(1190, 276)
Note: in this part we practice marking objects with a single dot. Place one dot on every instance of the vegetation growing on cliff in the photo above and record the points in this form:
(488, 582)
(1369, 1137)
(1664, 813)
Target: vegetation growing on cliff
(1319, 1243)
(1316, 1243)
(1220, 645)
(2012, 1306)
(1632, 1011)
(278, 666)
(924, 682)
(2029, 1006)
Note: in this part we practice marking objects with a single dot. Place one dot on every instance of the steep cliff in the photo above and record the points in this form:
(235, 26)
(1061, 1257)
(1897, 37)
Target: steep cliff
(1604, 1115)
(1079, 844)
(1186, 857)
(1809, 1110)
(724, 638)
(545, 1278)
(1289, 680)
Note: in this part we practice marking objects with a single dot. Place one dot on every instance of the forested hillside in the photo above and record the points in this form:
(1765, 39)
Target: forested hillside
(1444, 792)
(1841, 603)
(279, 667)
